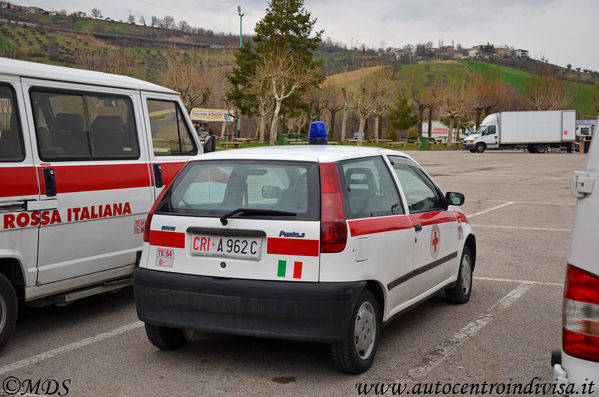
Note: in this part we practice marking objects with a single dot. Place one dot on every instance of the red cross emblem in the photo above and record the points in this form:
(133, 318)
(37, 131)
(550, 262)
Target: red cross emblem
(435, 241)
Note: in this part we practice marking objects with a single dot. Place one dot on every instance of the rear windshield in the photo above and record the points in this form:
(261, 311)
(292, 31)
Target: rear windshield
(214, 188)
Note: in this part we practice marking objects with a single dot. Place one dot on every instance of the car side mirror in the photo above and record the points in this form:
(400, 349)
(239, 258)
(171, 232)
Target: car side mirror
(271, 192)
(454, 198)
(209, 144)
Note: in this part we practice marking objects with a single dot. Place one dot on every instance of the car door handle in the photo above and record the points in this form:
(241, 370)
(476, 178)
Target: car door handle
(50, 182)
(13, 206)
(418, 227)
(158, 175)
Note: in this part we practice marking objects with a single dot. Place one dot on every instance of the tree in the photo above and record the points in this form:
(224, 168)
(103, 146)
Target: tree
(372, 96)
(155, 21)
(545, 92)
(131, 19)
(569, 66)
(595, 96)
(62, 13)
(334, 105)
(183, 26)
(96, 13)
(455, 101)
(403, 114)
(487, 94)
(259, 88)
(195, 84)
(284, 33)
(142, 21)
(348, 103)
(168, 22)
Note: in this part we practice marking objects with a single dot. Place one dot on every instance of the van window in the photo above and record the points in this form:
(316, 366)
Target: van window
(207, 188)
(421, 193)
(84, 126)
(11, 137)
(368, 189)
(170, 134)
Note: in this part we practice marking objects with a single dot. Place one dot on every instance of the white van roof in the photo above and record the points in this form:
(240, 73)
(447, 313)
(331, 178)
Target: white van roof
(60, 73)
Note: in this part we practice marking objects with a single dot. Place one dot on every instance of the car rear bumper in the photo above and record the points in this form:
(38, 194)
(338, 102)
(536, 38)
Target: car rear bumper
(574, 376)
(272, 309)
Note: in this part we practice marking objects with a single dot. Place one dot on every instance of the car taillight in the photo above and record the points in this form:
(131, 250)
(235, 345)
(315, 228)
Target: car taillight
(151, 214)
(580, 314)
(333, 227)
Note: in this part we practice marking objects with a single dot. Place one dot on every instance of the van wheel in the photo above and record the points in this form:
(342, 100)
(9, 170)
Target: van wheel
(8, 310)
(166, 338)
(460, 292)
(480, 147)
(532, 149)
(541, 148)
(356, 352)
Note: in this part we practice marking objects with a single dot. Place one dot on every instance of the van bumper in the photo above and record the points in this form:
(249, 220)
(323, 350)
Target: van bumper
(468, 146)
(310, 311)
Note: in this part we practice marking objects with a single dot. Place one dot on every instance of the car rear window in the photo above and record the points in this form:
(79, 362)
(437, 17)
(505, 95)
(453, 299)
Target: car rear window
(214, 188)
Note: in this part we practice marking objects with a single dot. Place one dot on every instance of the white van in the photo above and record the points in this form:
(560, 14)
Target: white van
(320, 243)
(576, 366)
(83, 155)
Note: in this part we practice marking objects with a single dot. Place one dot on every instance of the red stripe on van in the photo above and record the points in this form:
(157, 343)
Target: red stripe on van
(83, 178)
(167, 239)
(361, 227)
(292, 246)
(169, 170)
(431, 218)
(18, 181)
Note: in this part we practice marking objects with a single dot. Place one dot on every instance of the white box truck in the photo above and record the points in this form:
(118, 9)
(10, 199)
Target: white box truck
(533, 130)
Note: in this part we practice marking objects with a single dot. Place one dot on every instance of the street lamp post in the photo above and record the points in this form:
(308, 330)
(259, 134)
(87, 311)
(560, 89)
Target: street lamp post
(240, 44)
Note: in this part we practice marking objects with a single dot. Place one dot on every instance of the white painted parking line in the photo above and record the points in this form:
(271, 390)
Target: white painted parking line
(573, 204)
(546, 229)
(450, 346)
(509, 280)
(490, 209)
(485, 174)
(68, 348)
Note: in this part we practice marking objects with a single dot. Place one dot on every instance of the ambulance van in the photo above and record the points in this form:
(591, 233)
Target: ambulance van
(83, 155)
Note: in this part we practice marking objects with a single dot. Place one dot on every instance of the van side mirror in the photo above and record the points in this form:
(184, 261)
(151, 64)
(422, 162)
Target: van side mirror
(454, 198)
(209, 144)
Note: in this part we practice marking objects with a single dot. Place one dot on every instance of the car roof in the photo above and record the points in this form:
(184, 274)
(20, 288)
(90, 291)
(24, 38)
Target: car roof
(73, 75)
(313, 153)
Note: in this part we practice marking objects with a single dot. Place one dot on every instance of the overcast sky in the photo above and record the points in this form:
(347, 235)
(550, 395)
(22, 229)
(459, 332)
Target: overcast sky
(562, 31)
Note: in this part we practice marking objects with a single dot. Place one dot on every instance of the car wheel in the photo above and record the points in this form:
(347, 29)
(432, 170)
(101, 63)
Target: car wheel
(541, 148)
(355, 353)
(166, 338)
(532, 149)
(461, 290)
(480, 147)
(8, 310)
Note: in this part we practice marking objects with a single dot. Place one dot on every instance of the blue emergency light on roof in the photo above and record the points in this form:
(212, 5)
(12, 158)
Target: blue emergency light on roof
(318, 133)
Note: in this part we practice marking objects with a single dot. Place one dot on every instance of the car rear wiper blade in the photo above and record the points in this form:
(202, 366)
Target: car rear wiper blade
(254, 211)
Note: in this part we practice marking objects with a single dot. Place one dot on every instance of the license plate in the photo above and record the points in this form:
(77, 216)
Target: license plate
(226, 247)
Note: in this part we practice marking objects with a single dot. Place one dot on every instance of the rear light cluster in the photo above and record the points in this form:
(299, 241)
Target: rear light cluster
(580, 314)
(151, 214)
(333, 227)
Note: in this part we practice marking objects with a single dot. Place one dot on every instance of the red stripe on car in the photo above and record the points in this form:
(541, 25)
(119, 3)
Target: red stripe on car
(167, 239)
(431, 218)
(292, 246)
(361, 227)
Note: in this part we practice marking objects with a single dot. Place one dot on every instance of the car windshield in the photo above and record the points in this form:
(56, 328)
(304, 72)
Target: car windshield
(214, 188)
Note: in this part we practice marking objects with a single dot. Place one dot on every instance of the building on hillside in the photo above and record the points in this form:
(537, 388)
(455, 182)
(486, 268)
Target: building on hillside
(520, 53)
(447, 52)
(14, 7)
(503, 52)
(53, 13)
(79, 14)
(35, 10)
(3, 4)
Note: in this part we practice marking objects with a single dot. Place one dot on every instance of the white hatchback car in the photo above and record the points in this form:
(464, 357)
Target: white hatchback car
(319, 243)
(577, 363)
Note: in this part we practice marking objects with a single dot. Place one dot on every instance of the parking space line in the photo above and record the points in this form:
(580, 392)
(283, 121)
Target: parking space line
(548, 229)
(490, 209)
(439, 355)
(573, 204)
(68, 348)
(508, 280)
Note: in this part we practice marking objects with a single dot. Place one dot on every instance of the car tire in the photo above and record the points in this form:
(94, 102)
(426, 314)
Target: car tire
(541, 148)
(480, 147)
(166, 338)
(460, 292)
(532, 149)
(355, 353)
(8, 310)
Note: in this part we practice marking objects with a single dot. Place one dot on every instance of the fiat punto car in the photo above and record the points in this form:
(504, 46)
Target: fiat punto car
(317, 243)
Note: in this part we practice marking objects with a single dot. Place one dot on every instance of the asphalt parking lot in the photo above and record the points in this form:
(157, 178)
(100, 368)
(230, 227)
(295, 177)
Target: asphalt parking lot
(521, 209)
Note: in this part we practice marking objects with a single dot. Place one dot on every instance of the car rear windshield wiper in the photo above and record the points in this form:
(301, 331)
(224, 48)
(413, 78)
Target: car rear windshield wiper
(254, 211)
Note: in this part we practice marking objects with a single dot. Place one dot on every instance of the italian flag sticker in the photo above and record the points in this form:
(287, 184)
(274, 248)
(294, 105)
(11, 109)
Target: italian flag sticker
(282, 269)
